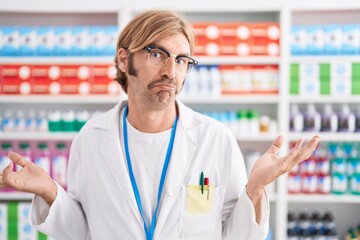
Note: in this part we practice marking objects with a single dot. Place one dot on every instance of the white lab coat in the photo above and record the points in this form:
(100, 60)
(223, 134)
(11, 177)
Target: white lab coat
(100, 203)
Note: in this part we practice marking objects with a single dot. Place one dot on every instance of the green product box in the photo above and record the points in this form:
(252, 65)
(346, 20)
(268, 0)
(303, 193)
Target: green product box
(294, 87)
(294, 70)
(355, 88)
(355, 70)
(325, 87)
(325, 70)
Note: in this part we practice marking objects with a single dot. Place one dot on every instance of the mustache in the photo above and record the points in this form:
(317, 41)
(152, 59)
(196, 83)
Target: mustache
(167, 81)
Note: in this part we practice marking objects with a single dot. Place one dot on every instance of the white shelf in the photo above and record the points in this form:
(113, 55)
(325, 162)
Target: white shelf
(324, 58)
(15, 196)
(324, 99)
(58, 60)
(59, 99)
(62, 136)
(321, 198)
(323, 5)
(265, 137)
(250, 98)
(230, 60)
(327, 137)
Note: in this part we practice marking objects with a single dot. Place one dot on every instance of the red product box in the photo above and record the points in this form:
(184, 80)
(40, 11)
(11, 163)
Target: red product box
(235, 39)
(265, 30)
(46, 79)
(75, 79)
(207, 39)
(103, 80)
(16, 79)
(264, 47)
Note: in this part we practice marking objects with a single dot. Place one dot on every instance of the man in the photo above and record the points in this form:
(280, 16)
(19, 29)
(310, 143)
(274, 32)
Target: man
(151, 168)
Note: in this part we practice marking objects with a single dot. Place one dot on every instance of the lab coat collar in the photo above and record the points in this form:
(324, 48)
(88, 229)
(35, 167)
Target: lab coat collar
(181, 157)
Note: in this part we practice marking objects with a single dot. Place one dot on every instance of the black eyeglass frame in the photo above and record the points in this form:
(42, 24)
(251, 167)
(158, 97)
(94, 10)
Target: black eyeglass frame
(194, 62)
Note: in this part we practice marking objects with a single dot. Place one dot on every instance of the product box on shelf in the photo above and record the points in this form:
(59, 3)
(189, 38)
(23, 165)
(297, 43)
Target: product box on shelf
(315, 40)
(28, 41)
(265, 79)
(333, 39)
(10, 41)
(63, 41)
(235, 39)
(45, 79)
(102, 80)
(235, 79)
(74, 79)
(16, 79)
(81, 41)
(207, 38)
(298, 40)
(102, 40)
(45, 41)
(351, 39)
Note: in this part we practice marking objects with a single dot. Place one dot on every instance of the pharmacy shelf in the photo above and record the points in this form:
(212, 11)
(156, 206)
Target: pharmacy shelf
(232, 60)
(327, 137)
(322, 198)
(329, 5)
(58, 60)
(324, 99)
(61, 136)
(257, 138)
(324, 58)
(60, 99)
(15, 196)
(245, 98)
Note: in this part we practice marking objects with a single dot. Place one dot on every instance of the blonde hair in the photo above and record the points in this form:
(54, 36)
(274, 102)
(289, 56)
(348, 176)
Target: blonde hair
(146, 29)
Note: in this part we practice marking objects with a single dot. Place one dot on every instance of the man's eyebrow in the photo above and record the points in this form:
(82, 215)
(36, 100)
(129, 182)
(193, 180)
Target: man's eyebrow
(162, 47)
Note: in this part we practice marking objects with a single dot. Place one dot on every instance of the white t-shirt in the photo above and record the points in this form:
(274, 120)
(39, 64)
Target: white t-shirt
(147, 153)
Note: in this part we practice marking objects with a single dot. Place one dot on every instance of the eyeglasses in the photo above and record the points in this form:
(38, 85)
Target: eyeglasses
(159, 57)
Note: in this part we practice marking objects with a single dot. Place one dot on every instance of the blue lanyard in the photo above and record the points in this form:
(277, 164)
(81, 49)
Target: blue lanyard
(149, 232)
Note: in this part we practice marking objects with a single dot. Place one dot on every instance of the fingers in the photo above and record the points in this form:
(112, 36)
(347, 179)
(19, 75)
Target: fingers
(306, 151)
(5, 175)
(276, 145)
(17, 159)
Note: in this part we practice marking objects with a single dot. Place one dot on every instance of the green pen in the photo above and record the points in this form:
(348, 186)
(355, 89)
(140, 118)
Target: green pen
(202, 182)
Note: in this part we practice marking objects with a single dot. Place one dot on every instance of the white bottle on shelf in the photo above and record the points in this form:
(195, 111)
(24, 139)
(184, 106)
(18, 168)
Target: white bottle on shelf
(215, 82)
(346, 119)
(296, 119)
(312, 119)
(329, 119)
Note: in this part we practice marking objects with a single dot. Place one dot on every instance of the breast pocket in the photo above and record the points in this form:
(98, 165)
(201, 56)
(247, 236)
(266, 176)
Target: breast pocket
(200, 211)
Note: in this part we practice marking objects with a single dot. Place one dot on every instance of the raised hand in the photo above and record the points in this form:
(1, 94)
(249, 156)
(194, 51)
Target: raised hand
(31, 178)
(270, 166)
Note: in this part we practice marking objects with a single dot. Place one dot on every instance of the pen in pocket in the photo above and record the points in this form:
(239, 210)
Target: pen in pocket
(207, 184)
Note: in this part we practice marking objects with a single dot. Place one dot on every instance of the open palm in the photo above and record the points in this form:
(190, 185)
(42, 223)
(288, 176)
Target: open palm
(270, 166)
(31, 178)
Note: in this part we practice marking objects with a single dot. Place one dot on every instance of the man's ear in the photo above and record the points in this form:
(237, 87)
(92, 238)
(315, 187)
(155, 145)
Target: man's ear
(122, 57)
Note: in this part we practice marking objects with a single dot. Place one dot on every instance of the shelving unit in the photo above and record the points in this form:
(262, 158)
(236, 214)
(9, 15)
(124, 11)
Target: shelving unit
(287, 13)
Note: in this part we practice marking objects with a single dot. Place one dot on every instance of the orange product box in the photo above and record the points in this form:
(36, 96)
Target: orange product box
(266, 30)
(45, 79)
(207, 47)
(264, 47)
(207, 29)
(16, 79)
(265, 79)
(102, 80)
(239, 30)
(75, 79)
(235, 79)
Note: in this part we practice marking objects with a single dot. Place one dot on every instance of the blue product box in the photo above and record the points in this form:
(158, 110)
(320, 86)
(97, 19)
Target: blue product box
(112, 33)
(298, 44)
(351, 39)
(28, 41)
(45, 41)
(11, 41)
(63, 41)
(333, 39)
(81, 42)
(315, 40)
(97, 40)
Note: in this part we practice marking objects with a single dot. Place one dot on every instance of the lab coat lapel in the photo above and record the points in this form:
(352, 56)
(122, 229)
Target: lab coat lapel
(112, 152)
(181, 157)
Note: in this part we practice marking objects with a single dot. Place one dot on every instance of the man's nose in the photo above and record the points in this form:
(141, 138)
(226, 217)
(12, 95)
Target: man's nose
(169, 70)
